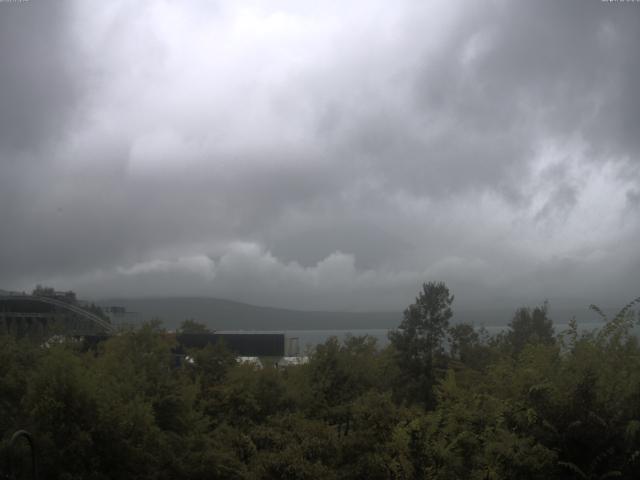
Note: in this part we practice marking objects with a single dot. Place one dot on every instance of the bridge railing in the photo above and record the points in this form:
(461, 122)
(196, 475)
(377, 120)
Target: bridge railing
(105, 325)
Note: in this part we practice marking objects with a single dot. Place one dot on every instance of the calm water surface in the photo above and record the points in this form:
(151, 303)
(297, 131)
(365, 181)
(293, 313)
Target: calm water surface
(311, 338)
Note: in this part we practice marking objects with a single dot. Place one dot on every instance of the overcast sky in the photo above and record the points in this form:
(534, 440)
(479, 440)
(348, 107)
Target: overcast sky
(321, 155)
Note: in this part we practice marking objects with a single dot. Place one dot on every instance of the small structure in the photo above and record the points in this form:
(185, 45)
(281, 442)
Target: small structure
(252, 361)
(292, 361)
(293, 347)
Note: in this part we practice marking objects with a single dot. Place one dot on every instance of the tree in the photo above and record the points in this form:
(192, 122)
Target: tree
(418, 341)
(192, 326)
(43, 291)
(530, 326)
(340, 372)
(468, 345)
(213, 362)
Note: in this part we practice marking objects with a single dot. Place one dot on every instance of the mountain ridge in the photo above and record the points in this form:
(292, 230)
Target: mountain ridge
(223, 314)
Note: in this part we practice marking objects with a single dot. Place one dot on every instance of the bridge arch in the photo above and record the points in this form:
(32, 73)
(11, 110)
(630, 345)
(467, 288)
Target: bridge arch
(91, 317)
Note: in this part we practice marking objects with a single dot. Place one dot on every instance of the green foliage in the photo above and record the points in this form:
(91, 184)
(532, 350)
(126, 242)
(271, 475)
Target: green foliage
(527, 405)
(212, 363)
(418, 343)
(469, 346)
(530, 326)
(340, 373)
(190, 325)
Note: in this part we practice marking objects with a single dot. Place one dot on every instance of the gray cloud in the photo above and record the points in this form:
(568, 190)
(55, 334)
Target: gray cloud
(40, 83)
(321, 156)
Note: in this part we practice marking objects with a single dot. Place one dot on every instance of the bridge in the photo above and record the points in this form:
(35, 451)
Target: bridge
(94, 323)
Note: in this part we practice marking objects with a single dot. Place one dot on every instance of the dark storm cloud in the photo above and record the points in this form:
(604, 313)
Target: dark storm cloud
(511, 75)
(320, 156)
(40, 89)
(38, 81)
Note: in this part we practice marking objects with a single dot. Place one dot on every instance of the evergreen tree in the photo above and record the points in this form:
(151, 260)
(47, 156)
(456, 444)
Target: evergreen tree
(530, 326)
(419, 340)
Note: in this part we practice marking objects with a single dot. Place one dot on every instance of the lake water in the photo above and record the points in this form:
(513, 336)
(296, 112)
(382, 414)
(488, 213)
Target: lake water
(310, 338)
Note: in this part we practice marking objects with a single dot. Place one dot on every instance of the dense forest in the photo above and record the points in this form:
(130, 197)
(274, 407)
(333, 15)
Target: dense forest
(442, 401)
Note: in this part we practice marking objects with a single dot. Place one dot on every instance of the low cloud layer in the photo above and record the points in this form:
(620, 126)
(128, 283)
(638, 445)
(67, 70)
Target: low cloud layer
(321, 156)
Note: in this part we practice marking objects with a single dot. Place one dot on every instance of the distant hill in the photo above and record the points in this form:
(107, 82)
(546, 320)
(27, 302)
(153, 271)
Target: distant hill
(220, 314)
(228, 315)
